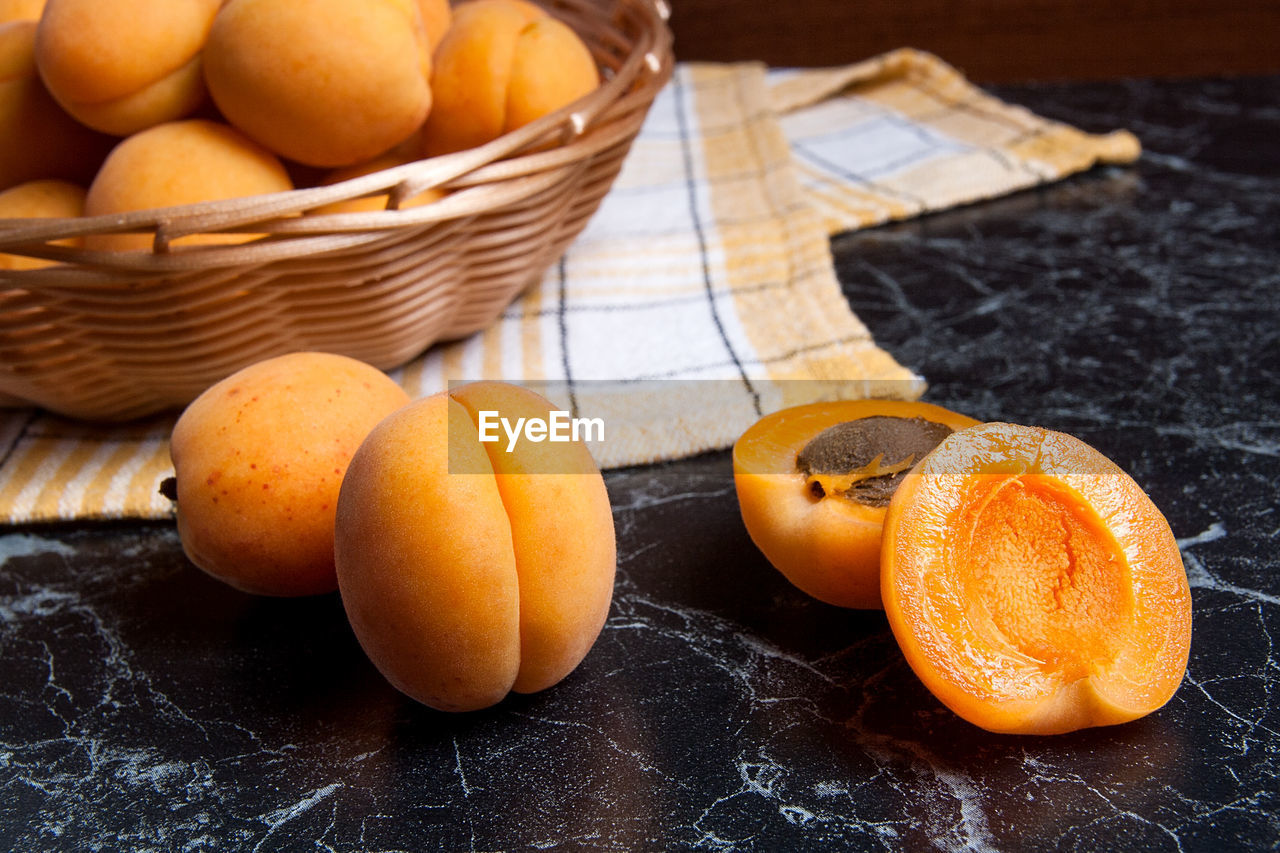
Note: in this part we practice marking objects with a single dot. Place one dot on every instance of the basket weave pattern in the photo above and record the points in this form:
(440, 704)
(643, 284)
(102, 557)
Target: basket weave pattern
(118, 335)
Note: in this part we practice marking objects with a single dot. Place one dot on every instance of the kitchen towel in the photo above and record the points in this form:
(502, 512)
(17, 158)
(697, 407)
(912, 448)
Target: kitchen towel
(701, 294)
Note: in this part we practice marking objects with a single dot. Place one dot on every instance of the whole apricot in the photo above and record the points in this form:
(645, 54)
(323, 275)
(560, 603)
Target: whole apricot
(470, 569)
(123, 65)
(1032, 585)
(38, 139)
(814, 482)
(40, 199)
(501, 65)
(258, 459)
(326, 83)
(180, 162)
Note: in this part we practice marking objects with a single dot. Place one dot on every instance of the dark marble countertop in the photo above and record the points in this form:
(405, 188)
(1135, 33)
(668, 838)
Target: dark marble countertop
(145, 706)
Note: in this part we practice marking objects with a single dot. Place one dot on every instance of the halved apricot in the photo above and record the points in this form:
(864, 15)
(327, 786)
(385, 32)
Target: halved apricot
(814, 482)
(1032, 585)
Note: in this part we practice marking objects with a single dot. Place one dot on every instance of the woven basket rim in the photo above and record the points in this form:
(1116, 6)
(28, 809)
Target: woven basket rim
(511, 163)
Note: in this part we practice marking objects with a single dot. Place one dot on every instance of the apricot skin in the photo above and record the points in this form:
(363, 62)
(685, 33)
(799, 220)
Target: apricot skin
(259, 458)
(503, 64)
(120, 66)
(350, 81)
(829, 548)
(180, 162)
(1032, 585)
(468, 572)
(437, 15)
(21, 10)
(40, 199)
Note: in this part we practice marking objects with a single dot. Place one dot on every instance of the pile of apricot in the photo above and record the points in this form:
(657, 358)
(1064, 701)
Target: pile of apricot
(141, 104)
(1031, 584)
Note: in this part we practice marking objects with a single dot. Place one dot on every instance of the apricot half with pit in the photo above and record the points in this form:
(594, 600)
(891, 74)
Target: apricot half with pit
(1032, 585)
(258, 460)
(471, 569)
(814, 482)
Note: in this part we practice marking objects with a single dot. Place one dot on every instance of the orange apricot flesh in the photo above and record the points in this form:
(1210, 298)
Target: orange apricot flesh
(1032, 585)
(826, 540)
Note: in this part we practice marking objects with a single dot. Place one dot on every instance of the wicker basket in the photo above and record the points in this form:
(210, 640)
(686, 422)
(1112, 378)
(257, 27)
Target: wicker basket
(118, 335)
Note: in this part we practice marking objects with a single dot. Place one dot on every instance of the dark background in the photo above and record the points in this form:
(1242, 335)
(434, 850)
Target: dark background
(993, 40)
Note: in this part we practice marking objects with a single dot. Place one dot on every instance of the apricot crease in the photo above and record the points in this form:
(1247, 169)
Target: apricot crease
(468, 572)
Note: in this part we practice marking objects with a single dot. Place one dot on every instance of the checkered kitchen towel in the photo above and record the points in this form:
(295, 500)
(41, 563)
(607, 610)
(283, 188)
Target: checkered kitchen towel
(707, 270)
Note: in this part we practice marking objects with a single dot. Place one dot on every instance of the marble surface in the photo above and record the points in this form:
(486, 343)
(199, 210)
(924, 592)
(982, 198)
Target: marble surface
(145, 706)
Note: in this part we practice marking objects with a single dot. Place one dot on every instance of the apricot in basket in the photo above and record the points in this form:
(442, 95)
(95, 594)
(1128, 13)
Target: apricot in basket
(38, 139)
(40, 199)
(258, 460)
(327, 83)
(120, 66)
(180, 162)
(501, 65)
(467, 570)
(814, 482)
(1032, 585)
(373, 202)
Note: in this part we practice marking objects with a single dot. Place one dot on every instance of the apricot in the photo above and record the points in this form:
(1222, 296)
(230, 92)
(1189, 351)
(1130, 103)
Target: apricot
(181, 162)
(468, 571)
(120, 66)
(326, 83)
(37, 138)
(40, 199)
(501, 65)
(814, 482)
(258, 459)
(372, 202)
(1032, 585)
